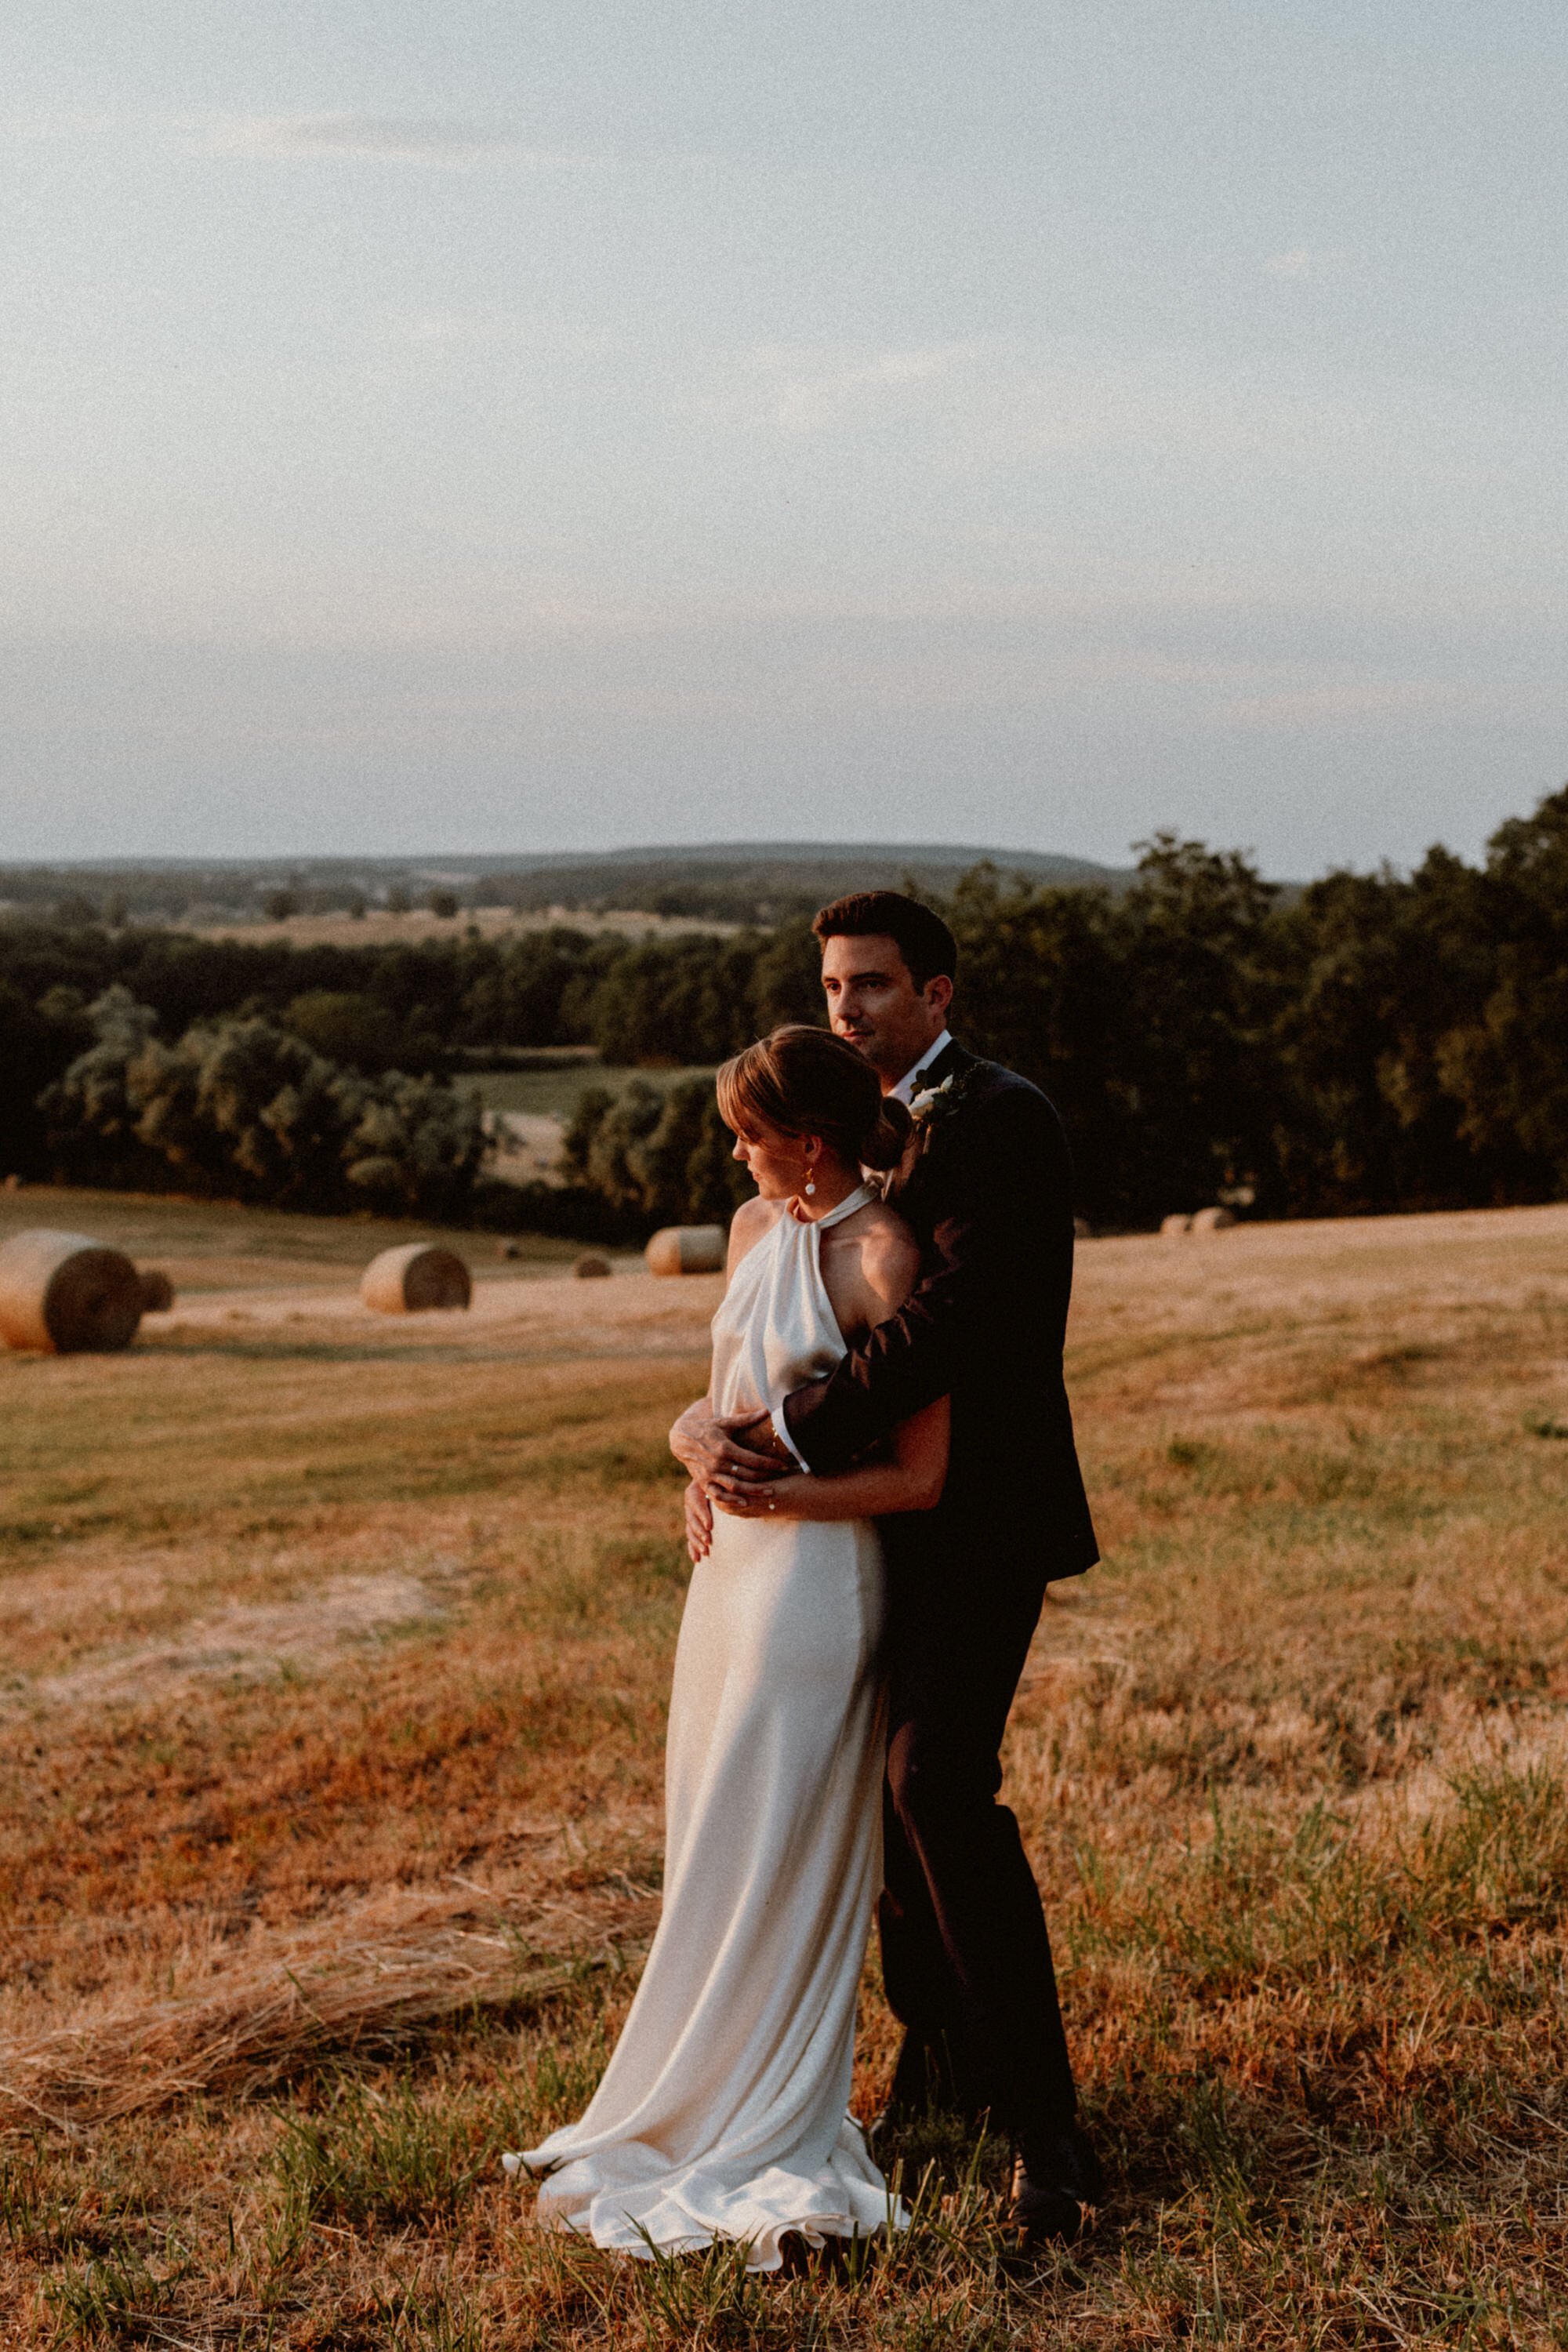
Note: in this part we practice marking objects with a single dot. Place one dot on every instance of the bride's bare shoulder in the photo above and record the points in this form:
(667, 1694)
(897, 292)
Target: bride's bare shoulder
(751, 1221)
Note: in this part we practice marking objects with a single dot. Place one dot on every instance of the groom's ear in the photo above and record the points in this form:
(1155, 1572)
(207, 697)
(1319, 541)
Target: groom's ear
(938, 992)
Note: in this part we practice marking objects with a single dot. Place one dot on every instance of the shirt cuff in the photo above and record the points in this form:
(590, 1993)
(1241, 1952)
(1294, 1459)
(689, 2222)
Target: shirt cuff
(781, 1429)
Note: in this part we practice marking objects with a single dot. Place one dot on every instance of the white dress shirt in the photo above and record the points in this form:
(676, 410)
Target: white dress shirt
(905, 1089)
(903, 1092)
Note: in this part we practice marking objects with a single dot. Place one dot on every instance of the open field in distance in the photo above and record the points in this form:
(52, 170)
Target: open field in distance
(379, 927)
(331, 1720)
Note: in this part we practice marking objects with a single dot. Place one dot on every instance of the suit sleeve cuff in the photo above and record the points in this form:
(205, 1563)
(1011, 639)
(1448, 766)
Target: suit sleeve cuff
(780, 1429)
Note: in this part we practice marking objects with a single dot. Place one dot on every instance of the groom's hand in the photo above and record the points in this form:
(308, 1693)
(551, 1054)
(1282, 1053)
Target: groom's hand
(742, 1445)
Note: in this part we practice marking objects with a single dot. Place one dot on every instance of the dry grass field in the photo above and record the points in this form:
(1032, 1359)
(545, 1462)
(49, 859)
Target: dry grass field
(210, 1246)
(335, 1657)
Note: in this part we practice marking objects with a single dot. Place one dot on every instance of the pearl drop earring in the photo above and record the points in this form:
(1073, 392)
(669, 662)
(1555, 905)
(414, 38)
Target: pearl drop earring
(810, 1182)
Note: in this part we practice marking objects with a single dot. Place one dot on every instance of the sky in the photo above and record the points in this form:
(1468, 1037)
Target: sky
(517, 427)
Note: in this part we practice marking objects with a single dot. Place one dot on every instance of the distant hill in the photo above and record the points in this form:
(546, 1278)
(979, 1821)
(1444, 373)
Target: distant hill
(955, 857)
(750, 882)
(766, 881)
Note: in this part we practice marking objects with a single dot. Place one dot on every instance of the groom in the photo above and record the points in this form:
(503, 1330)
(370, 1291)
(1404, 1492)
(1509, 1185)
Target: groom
(986, 1185)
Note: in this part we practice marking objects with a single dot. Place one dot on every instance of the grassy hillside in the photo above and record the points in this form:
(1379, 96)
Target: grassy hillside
(336, 1667)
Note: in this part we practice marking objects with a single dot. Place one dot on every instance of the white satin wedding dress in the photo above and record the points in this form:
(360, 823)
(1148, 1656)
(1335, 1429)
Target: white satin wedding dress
(723, 2111)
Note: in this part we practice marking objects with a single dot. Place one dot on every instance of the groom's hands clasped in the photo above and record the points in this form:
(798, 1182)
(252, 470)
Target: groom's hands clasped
(741, 1445)
(741, 1448)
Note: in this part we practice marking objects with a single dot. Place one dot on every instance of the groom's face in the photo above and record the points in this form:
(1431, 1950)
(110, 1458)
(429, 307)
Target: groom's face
(873, 1000)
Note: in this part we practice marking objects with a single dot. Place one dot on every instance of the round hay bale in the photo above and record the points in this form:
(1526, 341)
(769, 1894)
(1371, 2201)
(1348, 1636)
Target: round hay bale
(685, 1249)
(1213, 1220)
(1178, 1222)
(413, 1277)
(509, 1249)
(66, 1293)
(592, 1269)
(157, 1290)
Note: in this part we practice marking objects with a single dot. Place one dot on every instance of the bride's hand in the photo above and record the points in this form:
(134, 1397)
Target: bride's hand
(777, 1500)
(699, 1523)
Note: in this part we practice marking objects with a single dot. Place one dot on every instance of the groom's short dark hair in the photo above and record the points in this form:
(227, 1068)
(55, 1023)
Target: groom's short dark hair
(924, 942)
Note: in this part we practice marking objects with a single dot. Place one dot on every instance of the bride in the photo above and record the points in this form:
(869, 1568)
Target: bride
(723, 2111)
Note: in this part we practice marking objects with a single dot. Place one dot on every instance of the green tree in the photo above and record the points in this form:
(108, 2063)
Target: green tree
(242, 1106)
(1040, 989)
(344, 1026)
(786, 978)
(1198, 972)
(1506, 1065)
(533, 990)
(37, 1044)
(674, 1000)
(662, 1158)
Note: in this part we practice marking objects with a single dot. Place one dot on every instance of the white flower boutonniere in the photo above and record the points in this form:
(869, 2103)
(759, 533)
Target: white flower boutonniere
(929, 1106)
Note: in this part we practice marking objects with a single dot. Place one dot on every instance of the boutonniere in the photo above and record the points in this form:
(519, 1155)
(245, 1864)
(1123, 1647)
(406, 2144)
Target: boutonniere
(929, 1106)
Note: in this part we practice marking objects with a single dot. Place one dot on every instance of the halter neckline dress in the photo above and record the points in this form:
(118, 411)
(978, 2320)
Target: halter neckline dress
(723, 2111)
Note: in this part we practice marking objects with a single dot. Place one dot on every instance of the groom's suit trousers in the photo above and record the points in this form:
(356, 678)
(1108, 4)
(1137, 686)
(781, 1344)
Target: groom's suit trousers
(966, 1959)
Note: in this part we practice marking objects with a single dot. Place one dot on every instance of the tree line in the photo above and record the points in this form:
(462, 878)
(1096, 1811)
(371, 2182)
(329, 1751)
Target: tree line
(1373, 1042)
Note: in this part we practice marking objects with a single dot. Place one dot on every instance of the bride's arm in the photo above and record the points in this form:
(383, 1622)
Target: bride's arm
(912, 1481)
(697, 1515)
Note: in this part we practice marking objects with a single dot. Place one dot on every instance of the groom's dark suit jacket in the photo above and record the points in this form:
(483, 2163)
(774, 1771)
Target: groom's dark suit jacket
(986, 1185)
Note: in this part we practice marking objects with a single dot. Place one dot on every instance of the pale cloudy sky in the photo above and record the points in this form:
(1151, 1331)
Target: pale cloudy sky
(517, 426)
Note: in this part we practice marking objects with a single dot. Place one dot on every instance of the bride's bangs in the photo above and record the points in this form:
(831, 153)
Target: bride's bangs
(748, 1093)
(801, 1080)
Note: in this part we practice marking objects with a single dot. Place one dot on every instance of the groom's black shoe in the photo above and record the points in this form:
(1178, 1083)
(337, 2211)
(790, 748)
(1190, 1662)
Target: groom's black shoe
(1054, 2175)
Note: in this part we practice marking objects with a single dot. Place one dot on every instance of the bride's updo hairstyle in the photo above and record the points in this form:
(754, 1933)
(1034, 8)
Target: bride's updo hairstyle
(808, 1082)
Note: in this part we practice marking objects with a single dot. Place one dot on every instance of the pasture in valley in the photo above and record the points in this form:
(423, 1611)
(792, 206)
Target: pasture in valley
(335, 1655)
(529, 1108)
(382, 927)
(554, 1090)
